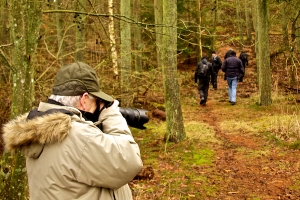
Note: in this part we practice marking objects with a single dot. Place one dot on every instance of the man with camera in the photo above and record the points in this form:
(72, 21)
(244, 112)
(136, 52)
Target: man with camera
(68, 155)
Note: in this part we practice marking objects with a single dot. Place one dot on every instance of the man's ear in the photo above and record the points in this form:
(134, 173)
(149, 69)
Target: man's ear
(82, 101)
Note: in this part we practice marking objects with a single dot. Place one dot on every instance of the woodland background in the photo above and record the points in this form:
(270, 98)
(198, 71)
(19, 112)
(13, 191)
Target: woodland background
(145, 53)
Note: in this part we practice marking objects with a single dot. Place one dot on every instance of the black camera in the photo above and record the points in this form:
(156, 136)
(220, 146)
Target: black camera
(134, 117)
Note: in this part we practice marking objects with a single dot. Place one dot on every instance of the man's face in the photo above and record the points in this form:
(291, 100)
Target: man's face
(214, 54)
(90, 104)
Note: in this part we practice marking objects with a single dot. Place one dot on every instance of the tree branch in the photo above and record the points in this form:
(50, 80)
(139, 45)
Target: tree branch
(2, 55)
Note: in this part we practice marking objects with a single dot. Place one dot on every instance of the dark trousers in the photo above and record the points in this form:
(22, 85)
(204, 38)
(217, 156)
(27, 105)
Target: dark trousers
(215, 78)
(203, 86)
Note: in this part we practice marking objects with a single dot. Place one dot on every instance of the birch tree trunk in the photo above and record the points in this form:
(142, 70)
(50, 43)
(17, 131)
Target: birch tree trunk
(264, 80)
(175, 128)
(25, 22)
(126, 99)
(112, 38)
(199, 39)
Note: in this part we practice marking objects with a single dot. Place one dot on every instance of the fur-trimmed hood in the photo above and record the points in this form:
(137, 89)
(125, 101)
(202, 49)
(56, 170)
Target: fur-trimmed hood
(47, 129)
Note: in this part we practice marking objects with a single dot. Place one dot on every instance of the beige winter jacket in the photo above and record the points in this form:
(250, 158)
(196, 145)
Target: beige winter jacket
(70, 158)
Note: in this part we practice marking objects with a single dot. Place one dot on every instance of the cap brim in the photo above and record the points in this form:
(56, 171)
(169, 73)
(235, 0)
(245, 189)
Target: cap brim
(103, 96)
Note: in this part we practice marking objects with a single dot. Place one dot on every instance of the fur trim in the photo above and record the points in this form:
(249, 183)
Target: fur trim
(48, 129)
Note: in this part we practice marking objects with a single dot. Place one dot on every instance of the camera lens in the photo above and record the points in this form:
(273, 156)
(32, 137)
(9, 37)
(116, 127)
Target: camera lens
(135, 117)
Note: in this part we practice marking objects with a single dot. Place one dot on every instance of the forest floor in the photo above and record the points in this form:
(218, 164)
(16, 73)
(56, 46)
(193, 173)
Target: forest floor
(232, 152)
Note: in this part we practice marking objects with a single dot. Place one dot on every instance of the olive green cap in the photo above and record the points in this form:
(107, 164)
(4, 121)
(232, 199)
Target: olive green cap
(77, 78)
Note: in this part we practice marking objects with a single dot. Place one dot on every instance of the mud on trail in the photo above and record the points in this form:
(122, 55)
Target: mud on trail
(249, 165)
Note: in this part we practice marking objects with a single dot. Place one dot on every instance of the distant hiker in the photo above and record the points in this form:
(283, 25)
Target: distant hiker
(244, 58)
(227, 55)
(233, 68)
(217, 64)
(204, 73)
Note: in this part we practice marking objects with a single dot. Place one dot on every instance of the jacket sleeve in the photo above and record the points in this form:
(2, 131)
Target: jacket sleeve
(219, 62)
(111, 158)
(224, 66)
(212, 74)
(195, 75)
(241, 68)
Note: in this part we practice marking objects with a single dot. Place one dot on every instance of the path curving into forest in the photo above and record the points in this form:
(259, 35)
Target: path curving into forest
(248, 165)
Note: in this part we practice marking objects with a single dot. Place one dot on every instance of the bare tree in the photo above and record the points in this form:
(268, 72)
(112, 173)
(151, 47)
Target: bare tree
(80, 31)
(25, 22)
(125, 48)
(175, 128)
(112, 38)
(264, 72)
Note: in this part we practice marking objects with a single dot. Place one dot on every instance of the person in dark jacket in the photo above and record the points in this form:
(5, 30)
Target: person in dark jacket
(227, 55)
(203, 80)
(233, 68)
(217, 64)
(244, 58)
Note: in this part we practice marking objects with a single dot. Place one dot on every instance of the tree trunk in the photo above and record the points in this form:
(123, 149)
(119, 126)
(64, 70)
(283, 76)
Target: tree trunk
(264, 52)
(158, 11)
(59, 33)
(137, 36)
(248, 21)
(175, 128)
(239, 21)
(25, 34)
(199, 39)
(255, 24)
(80, 31)
(112, 38)
(215, 20)
(284, 27)
(126, 96)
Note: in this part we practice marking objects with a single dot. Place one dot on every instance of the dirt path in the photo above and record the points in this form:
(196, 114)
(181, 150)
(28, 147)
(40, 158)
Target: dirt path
(250, 167)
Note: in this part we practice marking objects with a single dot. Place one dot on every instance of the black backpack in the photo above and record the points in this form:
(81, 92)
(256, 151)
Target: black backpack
(244, 57)
(202, 70)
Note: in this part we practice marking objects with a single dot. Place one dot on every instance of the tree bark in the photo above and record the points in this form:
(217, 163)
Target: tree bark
(248, 21)
(59, 33)
(80, 31)
(239, 21)
(199, 39)
(264, 54)
(112, 38)
(158, 11)
(126, 97)
(25, 22)
(137, 36)
(175, 128)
